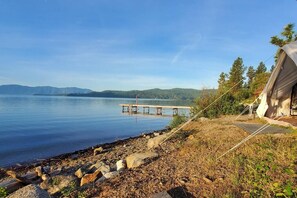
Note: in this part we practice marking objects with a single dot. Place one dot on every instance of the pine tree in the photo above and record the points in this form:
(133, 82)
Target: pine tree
(236, 76)
(251, 75)
(288, 35)
(272, 68)
(222, 82)
(261, 68)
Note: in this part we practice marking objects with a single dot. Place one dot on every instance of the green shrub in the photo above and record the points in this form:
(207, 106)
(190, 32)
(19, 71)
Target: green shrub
(176, 121)
(3, 192)
(226, 105)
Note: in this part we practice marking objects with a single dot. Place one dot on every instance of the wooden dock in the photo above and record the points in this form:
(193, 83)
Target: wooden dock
(133, 108)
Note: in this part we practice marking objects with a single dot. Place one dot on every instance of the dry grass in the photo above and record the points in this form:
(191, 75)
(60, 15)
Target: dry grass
(266, 166)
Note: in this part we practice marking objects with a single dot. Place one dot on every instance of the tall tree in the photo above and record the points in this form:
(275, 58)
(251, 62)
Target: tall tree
(288, 35)
(236, 76)
(261, 68)
(222, 82)
(272, 68)
(250, 75)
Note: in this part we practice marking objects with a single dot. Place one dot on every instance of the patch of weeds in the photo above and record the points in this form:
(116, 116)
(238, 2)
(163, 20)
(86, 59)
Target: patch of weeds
(284, 190)
(82, 194)
(258, 177)
(177, 120)
(69, 189)
(255, 175)
(3, 192)
(181, 135)
(292, 130)
(56, 181)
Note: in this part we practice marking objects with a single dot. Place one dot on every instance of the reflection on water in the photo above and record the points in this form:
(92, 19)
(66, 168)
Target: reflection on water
(34, 127)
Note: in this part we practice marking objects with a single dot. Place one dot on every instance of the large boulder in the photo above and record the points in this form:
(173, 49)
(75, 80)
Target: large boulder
(136, 159)
(154, 142)
(90, 177)
(30, 191)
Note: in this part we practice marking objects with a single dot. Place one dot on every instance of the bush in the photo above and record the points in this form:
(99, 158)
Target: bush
(227, 105)
(3, 192)
(176, 121)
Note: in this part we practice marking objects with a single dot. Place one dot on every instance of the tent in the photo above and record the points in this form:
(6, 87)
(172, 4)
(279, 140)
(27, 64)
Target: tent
(279, 97)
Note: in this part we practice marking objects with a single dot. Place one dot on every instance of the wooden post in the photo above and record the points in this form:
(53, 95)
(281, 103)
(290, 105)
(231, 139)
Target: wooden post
(134, 109)
(159, 110)
(175, 111)
(146, 111)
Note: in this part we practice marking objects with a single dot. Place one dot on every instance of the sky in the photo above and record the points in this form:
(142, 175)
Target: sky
(132, 44)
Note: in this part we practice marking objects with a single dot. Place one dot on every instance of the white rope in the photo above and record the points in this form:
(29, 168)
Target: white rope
(262, 128)
(195, 116)
(246, 108)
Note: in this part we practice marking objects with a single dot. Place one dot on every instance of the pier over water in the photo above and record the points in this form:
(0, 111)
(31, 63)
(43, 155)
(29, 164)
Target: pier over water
(134, 108)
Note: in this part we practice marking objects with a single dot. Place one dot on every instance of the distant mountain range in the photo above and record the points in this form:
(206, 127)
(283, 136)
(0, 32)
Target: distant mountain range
(41, 90)
(176, 93)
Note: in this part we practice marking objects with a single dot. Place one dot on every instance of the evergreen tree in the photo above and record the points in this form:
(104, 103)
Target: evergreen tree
(288, 35)
(261, 68)
(272, 68)
(222, 82)
(250, 75)
(236, 76)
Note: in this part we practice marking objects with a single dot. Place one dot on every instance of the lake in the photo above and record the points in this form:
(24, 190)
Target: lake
(37, 127)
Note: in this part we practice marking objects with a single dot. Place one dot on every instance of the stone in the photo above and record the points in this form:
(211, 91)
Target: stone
(90, 177)
(163, 194)
(111, 174)
(101, 179)
(191, 137)
(39, 171)
(121, 165)
(156, 134)
(46, 169)
(30, 191)
(79, 173)
(45, 177)
(31, 175)
(136, 159)
(56, 172)
(154, 142)
(104, 169)
(97, 165)
(108, 176)
(10, 185)
(203, 119)
(74, 156)
(57, 183)
(98, 150)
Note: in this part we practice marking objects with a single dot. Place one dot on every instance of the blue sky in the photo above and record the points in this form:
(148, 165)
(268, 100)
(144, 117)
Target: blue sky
(132, 44)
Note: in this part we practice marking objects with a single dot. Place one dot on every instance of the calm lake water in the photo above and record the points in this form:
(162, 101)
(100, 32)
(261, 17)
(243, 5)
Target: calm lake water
(34, 127)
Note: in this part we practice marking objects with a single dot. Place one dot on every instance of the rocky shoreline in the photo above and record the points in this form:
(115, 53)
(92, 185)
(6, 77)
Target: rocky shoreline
(186, 165)
(79, 168)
